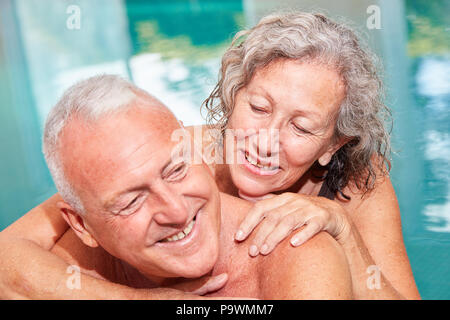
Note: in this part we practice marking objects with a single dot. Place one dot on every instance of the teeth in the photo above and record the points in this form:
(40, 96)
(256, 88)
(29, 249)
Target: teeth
(181, 234)
(256, 164)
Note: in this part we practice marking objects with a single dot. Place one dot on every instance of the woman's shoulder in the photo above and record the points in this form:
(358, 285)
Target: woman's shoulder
(374, 183)
(380, 200)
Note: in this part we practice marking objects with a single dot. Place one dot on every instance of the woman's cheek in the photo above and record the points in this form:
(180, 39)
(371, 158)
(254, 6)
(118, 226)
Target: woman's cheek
(242, 119)
(300, 152)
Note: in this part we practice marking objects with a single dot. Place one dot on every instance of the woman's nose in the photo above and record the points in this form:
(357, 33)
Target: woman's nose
(265, 141)
(268, 142)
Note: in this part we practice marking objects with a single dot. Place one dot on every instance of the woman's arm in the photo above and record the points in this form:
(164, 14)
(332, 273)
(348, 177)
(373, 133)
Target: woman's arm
(375, 245)
(42, 225)
(28, 270)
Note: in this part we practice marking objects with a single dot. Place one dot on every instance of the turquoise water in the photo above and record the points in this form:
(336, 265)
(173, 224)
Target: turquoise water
(173, 49)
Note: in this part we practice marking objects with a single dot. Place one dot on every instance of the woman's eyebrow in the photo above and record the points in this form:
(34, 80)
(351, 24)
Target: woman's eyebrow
(307, 111)
(253, 91)
(301, 111)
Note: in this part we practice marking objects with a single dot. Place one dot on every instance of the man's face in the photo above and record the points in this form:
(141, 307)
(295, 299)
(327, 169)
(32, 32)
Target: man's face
(138, 200)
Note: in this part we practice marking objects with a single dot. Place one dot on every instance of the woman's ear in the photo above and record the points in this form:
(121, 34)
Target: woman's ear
(77, 222)
(325, 158)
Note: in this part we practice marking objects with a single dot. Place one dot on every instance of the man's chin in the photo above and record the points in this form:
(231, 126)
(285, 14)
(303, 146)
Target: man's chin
(196, 269)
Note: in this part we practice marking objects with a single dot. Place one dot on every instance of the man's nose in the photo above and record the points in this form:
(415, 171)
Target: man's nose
(170, 207)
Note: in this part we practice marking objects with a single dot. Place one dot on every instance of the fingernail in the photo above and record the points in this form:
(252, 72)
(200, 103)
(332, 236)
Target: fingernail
(253, 250)
(222, 277)
(239, 235)
(295, 242)
(264, 249)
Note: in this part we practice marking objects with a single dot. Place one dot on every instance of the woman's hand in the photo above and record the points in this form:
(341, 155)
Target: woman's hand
(280, 215)
(202, 286)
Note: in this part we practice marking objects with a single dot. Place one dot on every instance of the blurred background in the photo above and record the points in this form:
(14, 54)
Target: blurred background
(172, 48)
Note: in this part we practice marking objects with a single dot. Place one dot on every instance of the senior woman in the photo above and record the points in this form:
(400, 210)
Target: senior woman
(308, 80)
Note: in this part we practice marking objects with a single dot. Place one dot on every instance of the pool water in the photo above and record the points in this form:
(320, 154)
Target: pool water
(173, 49)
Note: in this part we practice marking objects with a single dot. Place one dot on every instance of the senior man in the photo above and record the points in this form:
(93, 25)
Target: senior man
(142, 218)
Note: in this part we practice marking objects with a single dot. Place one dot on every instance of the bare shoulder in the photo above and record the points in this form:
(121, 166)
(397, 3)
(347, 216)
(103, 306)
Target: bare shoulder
(375, 207)
(321, 243)
(42, 225)
(72, 250)
(381, 193)
(318, 269)
(92, 261)
(376, 216)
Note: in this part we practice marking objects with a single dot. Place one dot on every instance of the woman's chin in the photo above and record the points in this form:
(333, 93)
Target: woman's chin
(252, 189)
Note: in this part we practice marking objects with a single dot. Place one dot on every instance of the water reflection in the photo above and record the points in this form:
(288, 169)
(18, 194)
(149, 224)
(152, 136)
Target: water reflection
(177, 49)
(179, 85)
(433, 84)
(57, 56)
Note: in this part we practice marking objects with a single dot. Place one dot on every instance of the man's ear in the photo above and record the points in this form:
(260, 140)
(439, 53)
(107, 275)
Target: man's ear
(77, 223)
(326, 157)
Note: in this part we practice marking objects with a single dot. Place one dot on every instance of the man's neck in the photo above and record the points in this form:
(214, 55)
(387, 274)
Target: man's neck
(233, 211)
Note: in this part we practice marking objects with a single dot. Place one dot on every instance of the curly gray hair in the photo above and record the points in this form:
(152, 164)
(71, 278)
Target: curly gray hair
(314, 37)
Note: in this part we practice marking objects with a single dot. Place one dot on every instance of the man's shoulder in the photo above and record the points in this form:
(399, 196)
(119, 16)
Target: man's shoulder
(305, 271)
(317, 248)
(92, 261)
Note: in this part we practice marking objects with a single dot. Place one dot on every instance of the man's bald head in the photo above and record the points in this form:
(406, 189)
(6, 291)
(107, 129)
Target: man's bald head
(85, 104)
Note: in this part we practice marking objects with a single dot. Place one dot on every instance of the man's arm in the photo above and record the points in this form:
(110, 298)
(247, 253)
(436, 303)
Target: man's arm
(316, 270)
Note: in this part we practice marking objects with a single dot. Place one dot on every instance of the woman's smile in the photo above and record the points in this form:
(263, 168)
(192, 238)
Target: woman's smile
(257, 165)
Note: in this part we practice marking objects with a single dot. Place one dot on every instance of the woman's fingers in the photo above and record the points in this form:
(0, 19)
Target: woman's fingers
(313, 226)
(266, 227)
(280, 232)
(257, 214)
(212, 284)
(291, 217)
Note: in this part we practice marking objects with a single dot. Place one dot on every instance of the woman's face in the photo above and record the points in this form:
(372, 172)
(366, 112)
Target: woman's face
(283, 121)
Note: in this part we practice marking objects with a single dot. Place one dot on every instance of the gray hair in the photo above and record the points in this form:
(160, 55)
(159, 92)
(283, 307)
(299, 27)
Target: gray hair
(90, 100)
(314, 37)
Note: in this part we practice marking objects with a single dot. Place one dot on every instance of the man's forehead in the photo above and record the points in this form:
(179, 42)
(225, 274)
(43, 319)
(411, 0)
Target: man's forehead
(115, 142)
(147, 119)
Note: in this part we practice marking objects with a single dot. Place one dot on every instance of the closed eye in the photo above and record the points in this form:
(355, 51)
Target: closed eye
(132, 206)
(257, 109)
(178, 172)
(300, 129)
